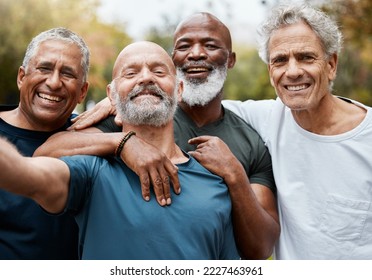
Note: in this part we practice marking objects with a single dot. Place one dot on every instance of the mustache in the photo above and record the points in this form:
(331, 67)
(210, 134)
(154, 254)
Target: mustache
(146, 89)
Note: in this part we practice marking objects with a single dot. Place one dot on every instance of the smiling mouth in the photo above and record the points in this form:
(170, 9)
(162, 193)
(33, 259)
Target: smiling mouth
(49, 97)
(196, 70)
(150, 93)
(297, 87)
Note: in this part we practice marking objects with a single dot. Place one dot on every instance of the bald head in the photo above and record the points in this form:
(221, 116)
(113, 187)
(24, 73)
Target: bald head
(142, 52)
(144, 88)
(208, 23)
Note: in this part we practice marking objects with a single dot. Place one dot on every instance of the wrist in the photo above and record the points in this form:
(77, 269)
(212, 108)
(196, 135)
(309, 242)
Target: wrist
(123, 140)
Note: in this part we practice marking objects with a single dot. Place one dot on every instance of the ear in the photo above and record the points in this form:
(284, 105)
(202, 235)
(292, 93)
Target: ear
(332, 66)
(180, 91)
(20, 76)
(111, 95)
(83, 93)
(271, 80)
(232, 60)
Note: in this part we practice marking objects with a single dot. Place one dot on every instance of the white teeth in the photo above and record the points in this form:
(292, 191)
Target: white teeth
(295, 88)
(50, 97)
(196, 69)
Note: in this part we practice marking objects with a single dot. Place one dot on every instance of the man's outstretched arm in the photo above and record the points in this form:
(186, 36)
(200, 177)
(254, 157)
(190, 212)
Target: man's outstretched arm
(152, 166)
(42, 179)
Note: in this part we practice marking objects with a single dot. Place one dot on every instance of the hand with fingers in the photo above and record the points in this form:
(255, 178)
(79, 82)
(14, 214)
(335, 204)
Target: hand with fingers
(215, 155)
(153, 168)
(100, 111)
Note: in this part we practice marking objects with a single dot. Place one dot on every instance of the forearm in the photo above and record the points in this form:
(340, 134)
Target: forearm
(43, 179)
(73, 143)
(256, 228)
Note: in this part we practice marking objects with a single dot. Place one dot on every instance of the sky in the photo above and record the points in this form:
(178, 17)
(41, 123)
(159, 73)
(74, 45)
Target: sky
(241, 16)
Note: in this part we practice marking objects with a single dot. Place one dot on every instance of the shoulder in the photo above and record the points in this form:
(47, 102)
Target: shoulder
(238, 126)
(4, 108)
(108, 125)
(193, 169)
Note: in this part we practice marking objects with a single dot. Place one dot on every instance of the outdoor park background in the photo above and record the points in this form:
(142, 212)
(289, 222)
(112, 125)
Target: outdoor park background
(108, 25)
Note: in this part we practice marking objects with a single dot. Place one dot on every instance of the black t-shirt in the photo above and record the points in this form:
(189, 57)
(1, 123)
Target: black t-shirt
(26, 231)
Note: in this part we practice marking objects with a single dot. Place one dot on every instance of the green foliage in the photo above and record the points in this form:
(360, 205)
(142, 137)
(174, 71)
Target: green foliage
(354, 74)
(163, 35)
(249, 78)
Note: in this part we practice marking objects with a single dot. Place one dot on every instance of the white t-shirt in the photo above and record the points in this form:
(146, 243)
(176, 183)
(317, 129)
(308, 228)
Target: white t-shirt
(324, 183)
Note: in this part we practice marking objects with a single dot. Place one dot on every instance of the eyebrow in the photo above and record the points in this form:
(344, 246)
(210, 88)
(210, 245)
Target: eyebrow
(204, 40)
(151, 65)
(50, 64)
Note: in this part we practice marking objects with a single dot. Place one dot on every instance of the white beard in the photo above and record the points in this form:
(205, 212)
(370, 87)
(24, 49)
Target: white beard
(146, 113)
(200, 94)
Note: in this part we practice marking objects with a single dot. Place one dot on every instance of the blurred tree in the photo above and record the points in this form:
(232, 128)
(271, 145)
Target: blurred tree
(249, 79)
(163, 35)
(355, 62)
(21, 20)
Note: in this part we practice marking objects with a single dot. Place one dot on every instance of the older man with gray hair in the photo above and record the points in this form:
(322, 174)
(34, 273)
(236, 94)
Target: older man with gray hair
(52, 81)
(320, 143)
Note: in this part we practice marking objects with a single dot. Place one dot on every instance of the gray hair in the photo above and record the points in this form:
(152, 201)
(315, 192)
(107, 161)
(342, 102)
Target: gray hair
(62, 34)
(290, 13)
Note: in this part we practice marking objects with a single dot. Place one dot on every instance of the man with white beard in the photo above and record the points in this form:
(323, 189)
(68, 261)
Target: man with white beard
(202, 55)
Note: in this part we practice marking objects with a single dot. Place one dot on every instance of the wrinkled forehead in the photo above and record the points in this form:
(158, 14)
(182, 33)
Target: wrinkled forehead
(297, 36)
(143, 55)
(203, 26)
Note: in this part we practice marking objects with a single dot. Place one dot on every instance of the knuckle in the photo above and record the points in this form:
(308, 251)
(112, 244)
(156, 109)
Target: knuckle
(166, 180)
(158, 181)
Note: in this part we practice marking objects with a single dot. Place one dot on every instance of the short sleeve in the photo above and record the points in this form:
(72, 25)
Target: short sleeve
(108, 125)
(83, 170)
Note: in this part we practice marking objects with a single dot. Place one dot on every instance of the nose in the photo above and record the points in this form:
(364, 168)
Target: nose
(197, 52)
(54, 81)
(294, 69)
(146, 76)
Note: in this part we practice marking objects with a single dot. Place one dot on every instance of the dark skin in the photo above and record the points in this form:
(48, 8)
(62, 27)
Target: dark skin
(202, 38)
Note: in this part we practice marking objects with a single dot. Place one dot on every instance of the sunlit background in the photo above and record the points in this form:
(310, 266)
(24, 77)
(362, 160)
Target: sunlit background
(109, 25)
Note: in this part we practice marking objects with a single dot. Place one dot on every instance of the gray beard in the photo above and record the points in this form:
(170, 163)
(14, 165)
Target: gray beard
(147, 112)
(201, 93)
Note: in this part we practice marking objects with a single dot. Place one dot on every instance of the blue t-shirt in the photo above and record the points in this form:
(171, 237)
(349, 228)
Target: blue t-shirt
(244, 142)
(26, 231)
(116, 223)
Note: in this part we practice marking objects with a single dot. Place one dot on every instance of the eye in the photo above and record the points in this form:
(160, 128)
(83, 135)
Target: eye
(68, 74)
(307, 58)
(211, 47)
(182, 47)
(278, 60)
(159, 71)
(129, 74)
(44, 69)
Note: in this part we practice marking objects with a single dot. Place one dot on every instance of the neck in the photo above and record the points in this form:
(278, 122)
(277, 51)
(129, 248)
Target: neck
(331, 117)
(203, 115)
(161, 138)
